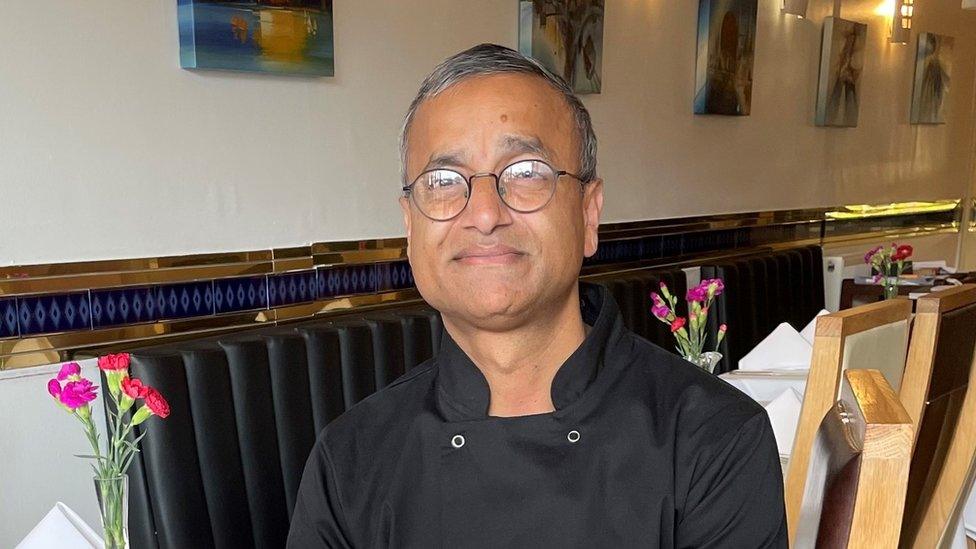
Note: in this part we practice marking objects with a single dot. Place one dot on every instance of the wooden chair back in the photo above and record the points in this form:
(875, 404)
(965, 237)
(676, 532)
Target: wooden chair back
(936, 393)
(872, 336)
(855, 489)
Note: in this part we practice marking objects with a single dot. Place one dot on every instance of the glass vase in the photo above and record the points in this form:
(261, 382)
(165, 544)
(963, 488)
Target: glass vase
(889, 287)
(113, 505)
(706, 361)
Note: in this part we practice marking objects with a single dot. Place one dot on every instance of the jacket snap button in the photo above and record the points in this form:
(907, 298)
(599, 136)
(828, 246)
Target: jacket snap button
(457, 441)
(573, 436)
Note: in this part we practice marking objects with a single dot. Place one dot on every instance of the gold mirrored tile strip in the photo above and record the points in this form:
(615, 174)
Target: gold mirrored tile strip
(866, 211)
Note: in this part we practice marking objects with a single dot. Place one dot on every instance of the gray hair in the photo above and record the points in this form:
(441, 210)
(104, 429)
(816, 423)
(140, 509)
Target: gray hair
(487, 59)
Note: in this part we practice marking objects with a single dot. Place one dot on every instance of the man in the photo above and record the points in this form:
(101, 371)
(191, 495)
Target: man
(541, 421)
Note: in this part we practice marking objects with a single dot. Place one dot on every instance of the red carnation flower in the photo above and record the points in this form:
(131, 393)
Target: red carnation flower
(133, 388)
(111, 363)
(902, 252)
(678, 324)
(156, 403)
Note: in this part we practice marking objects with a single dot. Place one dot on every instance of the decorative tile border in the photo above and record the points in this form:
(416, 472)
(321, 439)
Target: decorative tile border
(57, 304)
(96, 309)
(54, 313)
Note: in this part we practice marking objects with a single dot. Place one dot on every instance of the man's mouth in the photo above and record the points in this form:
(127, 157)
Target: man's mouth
(487, 255)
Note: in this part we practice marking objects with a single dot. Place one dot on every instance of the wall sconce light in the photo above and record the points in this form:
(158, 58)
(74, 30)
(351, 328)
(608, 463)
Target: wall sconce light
(799, 7)
(901, 21)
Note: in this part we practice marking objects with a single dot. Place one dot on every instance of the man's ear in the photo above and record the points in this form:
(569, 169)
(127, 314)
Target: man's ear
(405, 207)
(592, 207)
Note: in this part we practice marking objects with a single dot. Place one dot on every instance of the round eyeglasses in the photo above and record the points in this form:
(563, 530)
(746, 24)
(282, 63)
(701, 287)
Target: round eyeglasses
(525, 186)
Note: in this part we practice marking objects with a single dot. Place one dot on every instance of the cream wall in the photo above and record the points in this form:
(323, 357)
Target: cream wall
(108, 149)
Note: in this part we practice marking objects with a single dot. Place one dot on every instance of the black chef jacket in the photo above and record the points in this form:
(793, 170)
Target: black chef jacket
(643, 450)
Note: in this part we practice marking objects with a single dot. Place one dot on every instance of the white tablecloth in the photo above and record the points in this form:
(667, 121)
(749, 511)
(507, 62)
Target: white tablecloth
(763, 388)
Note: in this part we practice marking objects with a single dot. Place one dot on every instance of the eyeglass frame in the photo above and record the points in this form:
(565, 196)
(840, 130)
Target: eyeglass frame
(408, 189)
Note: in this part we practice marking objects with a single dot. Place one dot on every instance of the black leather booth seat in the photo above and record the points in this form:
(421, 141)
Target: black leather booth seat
(763, 290)
(223, 470)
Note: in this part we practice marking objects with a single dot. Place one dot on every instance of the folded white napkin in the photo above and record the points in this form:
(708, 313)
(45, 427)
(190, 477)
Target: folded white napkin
(784, 415)
(61, 528)
(784, 349)
(810, 330)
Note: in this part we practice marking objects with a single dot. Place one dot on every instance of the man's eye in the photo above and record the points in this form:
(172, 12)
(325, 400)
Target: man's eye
(438, 181)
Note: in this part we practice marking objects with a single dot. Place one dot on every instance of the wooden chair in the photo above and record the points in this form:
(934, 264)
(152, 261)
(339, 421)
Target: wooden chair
(936, 393)
(855, 489)
(869, 336)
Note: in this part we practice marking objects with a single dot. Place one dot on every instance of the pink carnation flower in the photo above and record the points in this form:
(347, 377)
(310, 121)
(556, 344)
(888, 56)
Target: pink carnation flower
(76, 394)
(69, 369)
(698, 293)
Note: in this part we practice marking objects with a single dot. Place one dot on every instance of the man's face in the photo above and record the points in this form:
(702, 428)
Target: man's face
(491, 266)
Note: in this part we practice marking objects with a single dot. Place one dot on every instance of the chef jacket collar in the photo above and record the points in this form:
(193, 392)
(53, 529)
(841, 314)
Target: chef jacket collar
(463, 392)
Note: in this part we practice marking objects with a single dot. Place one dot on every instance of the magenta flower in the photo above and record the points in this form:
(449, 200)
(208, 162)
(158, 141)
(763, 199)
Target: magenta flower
(715, 286)
(657, 299)
(76, 394)
(54, 388)
(698, 293)
(660, 312)
(69, 369)
(870, 255)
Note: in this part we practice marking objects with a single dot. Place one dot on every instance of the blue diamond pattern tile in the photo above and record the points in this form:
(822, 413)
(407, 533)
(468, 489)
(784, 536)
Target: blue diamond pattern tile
(240, 294)
(54, 313)
(9, 327)
(121, 306)
(400, 275)
(672, 245)
(384, 277)
(341, 281)
(184, 300)
(289, 288)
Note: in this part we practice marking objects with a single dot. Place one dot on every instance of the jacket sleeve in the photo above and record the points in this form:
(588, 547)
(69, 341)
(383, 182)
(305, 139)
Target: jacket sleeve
(734, 488)
(318, 520)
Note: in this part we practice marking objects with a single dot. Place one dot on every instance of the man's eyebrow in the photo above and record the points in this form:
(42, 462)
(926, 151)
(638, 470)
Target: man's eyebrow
(446, 159)
(520, 144)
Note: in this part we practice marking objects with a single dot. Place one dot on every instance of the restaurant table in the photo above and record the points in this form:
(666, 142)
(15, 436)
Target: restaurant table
(855, 291)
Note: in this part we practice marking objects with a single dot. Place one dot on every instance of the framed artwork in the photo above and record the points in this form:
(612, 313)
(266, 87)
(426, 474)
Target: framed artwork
(933, 66)
(567, 37)
(726, 56)
(841, 66)
(273, 36)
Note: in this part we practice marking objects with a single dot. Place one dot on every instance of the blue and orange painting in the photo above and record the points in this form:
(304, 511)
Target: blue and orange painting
(276, 36)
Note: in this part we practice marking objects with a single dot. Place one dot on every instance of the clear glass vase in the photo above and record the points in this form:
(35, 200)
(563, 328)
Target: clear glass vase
(706, 361)
(113, 504)
(890, 286)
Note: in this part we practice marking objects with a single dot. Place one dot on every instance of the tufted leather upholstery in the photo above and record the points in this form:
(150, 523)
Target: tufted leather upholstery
(632, 292)
(223, 470)
(763, 290)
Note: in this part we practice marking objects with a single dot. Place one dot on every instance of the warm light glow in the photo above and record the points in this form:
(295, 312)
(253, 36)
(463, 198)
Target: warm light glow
(860, 211)
(885, 8)
(901, 20)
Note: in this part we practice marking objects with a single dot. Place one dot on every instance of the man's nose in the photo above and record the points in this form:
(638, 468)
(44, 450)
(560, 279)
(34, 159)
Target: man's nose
(485, 209)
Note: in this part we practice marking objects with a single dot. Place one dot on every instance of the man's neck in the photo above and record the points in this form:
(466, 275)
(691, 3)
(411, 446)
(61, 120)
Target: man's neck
(520, 364)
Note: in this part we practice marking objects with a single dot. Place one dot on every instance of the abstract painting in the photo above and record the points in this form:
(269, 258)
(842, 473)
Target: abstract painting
(275, 36)
(933, 66)
(726, 54)
(566, 36)
(841, 65)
